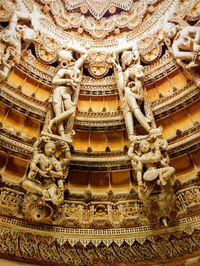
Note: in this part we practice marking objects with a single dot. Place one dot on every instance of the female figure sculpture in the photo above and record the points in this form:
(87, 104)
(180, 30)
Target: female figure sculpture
(129, 81)
(68, 79)
(158, 171)
(46, 175)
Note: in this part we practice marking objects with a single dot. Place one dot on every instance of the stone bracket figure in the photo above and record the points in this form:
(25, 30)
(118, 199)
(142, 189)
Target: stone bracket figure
(12, 36)
(47, 173)
(147, 151)
(129, 81)
(185, 47)
(153, 172)
(68, 79)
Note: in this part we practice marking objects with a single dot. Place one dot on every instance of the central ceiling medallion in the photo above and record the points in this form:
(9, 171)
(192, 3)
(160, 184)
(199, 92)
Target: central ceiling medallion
(98, 8)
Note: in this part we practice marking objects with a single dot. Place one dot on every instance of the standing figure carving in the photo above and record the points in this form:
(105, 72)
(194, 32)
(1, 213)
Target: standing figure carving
(147, 151)
(67, 79)
(129, 80)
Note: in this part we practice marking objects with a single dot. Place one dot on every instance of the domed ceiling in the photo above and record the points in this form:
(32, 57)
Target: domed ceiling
(99, 121)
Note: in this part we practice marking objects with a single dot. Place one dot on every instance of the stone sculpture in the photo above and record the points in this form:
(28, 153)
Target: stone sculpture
(133, 98)
(131, 67)
(150, 157)
(153, 172)
(68, 79)
(129, 81)
(185, 46)
(47, 173)
(147, 152)
(12, 37)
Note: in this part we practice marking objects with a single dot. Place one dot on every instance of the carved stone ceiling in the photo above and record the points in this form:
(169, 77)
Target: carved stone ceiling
(98, 8)
(108, 228)
(111, 25)
(104, 19)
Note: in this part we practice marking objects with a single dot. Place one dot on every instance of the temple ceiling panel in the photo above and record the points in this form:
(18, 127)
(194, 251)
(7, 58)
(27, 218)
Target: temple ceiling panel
(100, 132)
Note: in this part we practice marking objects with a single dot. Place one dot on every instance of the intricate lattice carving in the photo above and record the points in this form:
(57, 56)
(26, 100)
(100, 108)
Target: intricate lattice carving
(103, 26)
(99, 8)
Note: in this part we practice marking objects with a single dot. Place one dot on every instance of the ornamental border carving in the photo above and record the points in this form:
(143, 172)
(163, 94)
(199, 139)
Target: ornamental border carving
(52, 31)
(142, 233)
(26, 246)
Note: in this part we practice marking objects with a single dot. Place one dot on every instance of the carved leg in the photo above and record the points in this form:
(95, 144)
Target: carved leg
(139, 174)
(56, 196)
(50, 124)
(129, 124)
(45, 194)
(4, 74)
(61, 129)
(191, 65)
(142, 119)
(166, 174)
(139, 179)
(60, 126)
(32, 187)
(63, 116)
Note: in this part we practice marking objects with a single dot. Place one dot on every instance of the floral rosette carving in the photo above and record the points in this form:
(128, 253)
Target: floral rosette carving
(46, 50)
(92, 20)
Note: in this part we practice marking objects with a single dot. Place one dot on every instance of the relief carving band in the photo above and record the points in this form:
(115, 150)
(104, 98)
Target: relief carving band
(68, 79)
(99, 8)
(11, 39)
